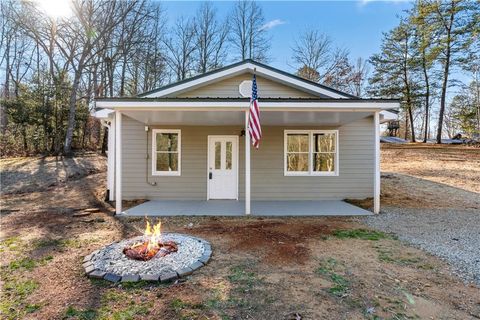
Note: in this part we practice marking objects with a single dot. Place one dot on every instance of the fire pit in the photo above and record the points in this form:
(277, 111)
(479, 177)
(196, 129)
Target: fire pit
(155, 256)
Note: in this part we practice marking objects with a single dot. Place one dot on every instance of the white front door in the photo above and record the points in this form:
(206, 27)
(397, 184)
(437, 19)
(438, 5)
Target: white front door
(222, 167)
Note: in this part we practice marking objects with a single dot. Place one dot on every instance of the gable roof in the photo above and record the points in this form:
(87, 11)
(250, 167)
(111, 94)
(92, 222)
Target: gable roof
(242, 67)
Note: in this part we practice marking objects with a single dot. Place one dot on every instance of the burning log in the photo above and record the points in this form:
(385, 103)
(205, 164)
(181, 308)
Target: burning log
(152, 247)
(141, 251)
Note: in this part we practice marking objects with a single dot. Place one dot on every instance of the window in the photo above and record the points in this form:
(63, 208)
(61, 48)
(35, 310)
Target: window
(166, 152)
(311, 152)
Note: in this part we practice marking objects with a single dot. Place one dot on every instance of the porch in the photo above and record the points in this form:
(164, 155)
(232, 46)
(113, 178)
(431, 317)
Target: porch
(133, 132)
(159, 208)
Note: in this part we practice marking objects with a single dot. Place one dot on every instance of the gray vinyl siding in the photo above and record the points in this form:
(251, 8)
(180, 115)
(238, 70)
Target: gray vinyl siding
(355, 179)
(229, 88)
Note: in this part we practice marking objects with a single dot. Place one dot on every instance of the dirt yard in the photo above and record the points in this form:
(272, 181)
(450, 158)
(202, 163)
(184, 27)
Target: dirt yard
(279, 268)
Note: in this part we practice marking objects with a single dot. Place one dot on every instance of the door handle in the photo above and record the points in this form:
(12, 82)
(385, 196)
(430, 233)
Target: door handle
(210, 175)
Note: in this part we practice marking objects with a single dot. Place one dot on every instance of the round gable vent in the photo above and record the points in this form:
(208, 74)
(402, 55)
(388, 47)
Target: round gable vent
(245, 88)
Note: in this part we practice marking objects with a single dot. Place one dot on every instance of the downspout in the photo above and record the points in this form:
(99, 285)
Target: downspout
(147, 157)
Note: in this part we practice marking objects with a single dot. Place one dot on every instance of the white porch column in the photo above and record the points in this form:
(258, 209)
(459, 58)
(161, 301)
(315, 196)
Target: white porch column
(111, 159)
(118, 162)
(247, 165)
(376, 188)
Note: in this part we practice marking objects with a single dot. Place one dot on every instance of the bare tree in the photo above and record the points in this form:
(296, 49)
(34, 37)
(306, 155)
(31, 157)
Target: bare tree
(210, 38)
(248, 34)
(77, 40)
(359, 77)
(180, 49)
(312, 52)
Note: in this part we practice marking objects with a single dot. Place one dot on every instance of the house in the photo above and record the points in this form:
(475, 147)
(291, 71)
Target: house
(186, 141)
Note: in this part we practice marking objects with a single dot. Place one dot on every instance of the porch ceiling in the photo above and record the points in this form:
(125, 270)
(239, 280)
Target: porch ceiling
(210, 118)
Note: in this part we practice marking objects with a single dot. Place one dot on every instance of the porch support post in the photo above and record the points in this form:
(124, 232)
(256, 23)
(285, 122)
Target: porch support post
(376, 188)
(118, 162)
(111, 160)
(247, 166)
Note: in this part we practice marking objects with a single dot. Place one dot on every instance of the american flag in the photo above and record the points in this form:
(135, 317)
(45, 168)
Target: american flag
(254, 127)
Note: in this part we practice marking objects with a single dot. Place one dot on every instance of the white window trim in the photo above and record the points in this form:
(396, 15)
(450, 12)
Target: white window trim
(310, 172)
(154, 153)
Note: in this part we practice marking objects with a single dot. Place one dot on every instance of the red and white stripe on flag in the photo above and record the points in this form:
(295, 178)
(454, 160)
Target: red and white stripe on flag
(254, 127)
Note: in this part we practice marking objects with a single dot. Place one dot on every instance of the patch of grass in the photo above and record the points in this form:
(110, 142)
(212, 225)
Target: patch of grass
(28, 263)
(138, 284)
(362, 234)
(386, 255)
(13, 296)
(329, 268)
(44, 243)
(12, 243)
(113, 296)
(129, 313)
(179, 304)
(244, 279)
(31, 308)
(25, 263)
(72, 313)
(63, 243)
(341, 285)
(20, 289)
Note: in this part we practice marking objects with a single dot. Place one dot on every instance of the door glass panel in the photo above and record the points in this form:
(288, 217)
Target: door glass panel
(218, 155)
(228, 164)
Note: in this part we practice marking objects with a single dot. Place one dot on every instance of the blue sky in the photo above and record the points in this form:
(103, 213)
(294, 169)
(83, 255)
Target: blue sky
(355, 25)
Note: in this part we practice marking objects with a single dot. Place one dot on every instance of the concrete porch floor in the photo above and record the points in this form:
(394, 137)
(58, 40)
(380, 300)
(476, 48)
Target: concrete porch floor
(237, 208)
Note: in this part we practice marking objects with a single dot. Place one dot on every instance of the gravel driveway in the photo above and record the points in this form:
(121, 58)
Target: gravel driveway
(451, 234)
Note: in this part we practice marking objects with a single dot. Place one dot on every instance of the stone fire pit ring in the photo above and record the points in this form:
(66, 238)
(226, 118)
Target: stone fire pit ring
(111, 264)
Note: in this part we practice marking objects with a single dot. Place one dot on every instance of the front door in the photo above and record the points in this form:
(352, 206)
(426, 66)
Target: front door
(222, 167)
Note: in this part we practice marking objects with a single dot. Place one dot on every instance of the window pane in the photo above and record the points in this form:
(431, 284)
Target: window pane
(297, 161)
(297, 142)
(324, 142)
(167, 141)
(218, 155)
(324, 162)
(167, 161)
(229, 156)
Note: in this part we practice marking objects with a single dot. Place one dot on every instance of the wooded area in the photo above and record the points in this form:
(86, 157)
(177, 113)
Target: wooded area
(53, 67)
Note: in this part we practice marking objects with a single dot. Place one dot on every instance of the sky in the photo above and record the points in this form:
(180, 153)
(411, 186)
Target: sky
(354, 25)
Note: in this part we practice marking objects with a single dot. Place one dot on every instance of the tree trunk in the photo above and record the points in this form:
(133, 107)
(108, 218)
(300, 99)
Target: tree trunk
(122, 78)
(427, 100)
(445, 79)
(412, 125)
(67, 147)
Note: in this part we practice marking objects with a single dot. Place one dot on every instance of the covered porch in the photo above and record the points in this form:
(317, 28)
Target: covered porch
(209, 113)
(234, 208)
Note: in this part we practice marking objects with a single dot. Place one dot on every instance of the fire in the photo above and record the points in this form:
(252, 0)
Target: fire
(152, 244)
(153, 235)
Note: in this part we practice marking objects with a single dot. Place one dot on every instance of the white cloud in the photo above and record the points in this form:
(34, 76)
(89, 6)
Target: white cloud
(272, 24)
(365, 2)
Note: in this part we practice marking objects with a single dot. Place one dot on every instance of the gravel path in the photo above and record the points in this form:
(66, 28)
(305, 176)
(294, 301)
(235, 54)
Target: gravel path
(454, 235)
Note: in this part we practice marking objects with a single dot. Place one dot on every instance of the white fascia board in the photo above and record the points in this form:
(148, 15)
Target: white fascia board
(103, 114)
(387, 115)
(242, 105)
(200, 81)
(270, 74)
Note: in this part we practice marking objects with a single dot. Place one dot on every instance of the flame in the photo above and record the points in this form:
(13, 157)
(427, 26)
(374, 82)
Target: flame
(151, 245)
(153, 235)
